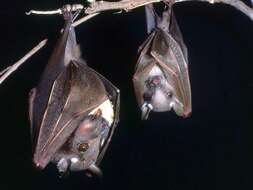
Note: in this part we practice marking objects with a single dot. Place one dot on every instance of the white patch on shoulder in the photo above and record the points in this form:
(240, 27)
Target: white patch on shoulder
(107, 111)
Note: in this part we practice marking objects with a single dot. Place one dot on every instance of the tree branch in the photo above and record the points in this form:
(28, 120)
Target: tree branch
(99, 6)
(238, 4)
(96, 7)
(9, 70)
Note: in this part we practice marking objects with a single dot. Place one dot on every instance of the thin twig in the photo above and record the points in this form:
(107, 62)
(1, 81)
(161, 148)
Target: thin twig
(127, 5)
(73, 8)
(9, 70)
(98, 6)
(3, 71)
(53, 12)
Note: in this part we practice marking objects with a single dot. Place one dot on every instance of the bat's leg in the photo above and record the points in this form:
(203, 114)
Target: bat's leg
(150, 18)
(32, 95)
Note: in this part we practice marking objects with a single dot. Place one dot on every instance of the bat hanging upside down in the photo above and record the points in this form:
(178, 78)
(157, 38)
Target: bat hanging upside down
(73, 110)
(161, 79)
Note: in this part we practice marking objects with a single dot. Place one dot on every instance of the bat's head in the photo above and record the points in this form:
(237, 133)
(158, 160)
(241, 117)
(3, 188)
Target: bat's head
(157, 94)
(82, 149)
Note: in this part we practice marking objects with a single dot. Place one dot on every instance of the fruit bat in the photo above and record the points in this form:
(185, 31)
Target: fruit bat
(73, 110)
(161, 79)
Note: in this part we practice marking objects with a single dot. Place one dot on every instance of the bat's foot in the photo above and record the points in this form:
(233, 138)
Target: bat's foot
(71, 12)
(67, 12)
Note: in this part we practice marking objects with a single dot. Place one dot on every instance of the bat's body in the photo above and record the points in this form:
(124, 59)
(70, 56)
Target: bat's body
(73, 110)
(161, 78)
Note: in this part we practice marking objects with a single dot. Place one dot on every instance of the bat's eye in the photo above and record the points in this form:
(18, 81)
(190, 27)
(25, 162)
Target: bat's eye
(169, 94)
(83, 147)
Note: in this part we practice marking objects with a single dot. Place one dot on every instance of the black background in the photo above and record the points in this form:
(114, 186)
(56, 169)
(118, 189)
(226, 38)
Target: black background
(210, 150)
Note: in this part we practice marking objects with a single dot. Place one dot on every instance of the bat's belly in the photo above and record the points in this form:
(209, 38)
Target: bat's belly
(160, 102)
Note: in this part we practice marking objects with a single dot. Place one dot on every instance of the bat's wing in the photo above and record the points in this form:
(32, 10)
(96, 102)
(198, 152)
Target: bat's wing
(32, 95)
(74, 93)
(164, 48)
(113, 94)
(171, 59)
(177, 35)
(144, 64)
(150, 18)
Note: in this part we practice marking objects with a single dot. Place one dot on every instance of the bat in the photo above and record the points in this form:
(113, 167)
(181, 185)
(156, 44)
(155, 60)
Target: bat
(161, 79)
(73, 111)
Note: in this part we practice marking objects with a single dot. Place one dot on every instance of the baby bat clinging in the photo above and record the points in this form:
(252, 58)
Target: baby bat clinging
(73, 110)
(161, 79)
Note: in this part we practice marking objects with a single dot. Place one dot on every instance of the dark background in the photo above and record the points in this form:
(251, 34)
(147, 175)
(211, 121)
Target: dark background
(210, 150)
